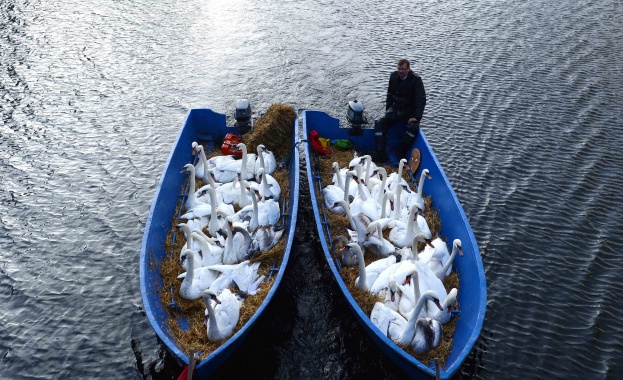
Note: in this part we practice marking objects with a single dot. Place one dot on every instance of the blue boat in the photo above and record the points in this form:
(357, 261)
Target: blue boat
(472, 295)
(208, 127)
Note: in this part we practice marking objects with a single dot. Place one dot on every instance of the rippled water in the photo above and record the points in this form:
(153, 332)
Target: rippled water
(524, 113)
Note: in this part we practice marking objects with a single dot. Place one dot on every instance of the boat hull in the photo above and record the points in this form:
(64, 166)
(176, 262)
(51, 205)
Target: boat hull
(199, 125)
(472, 295)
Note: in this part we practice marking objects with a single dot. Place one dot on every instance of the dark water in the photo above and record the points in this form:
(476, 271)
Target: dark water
(524, 112)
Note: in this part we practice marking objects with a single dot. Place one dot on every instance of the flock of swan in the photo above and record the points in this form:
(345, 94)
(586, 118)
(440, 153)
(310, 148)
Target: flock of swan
(220, 241)
(416, 303)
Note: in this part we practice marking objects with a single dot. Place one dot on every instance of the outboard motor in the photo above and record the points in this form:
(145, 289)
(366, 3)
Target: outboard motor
(243, 116)
(355, 118)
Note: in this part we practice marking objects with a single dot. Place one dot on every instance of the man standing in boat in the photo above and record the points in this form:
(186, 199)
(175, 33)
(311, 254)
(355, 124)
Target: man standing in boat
(406, 100)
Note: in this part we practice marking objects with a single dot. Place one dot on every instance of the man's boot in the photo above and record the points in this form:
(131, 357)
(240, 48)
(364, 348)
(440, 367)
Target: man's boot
(411, 133)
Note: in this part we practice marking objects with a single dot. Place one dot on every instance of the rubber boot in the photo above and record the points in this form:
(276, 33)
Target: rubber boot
(408, 139)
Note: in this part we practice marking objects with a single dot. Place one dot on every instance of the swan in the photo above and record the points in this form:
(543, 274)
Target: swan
(265, 159)
(267, 236)
(410, 252)
(226, 171)
(202, 166)
(409, 332)
(378, 187)
(243, 275)
(195, 280)
(223, 316)
(269, 187)
(418, 196)
(368, 274)
(375, 241)
(333, 193)
(358, 222)
(191, 201)
(243, 198)
(364, 203)
(211, 250)
(370, 167)
(446, 268)
(437, 256)
(401, 235)
(396, 178)
(238, 243)
(443, 315)
(422, 223)
(195, 247)
(393, 325)
(348, 258)
(259, 213)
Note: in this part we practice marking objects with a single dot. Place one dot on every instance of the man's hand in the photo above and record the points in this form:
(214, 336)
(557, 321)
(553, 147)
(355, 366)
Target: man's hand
(412, 120)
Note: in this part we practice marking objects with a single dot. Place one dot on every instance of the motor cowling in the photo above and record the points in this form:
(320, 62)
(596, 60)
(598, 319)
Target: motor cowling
(243, 116)
(356, 117)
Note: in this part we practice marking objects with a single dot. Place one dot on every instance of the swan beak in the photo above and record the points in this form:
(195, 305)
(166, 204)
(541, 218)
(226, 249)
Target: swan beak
(216, 300)
(428, 176)
(392, 295)
(438, 304)
(407, 280)
(460, 252)
(391, 205)
(430, 243)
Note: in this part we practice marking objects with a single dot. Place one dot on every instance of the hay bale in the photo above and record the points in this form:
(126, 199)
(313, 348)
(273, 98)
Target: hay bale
(274, 129)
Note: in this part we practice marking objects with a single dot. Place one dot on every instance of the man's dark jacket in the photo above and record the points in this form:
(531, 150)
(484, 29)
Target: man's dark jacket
(406, 95)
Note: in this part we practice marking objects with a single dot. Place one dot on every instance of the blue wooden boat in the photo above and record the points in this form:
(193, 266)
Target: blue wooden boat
(208, 127)
(472, 295)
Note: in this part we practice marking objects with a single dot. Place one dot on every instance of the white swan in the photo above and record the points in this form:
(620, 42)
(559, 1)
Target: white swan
(394, 179)
(409, 333)
(443, 315)
(238, 243)
(401, 235)
(436, 257)
(358, 222)
(242, 275)
(368, 274)
(202, 164)
(363, 202)
(211, 250)
(191, 201)
(269, 187)
(223, 316)
(446, 268)
(195, 280)
(333, 193)
(265, 159)
(393, 325)
(418, 196)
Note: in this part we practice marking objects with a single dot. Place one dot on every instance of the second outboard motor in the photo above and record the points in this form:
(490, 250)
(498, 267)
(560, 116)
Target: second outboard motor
(356, 118)
(243, 116)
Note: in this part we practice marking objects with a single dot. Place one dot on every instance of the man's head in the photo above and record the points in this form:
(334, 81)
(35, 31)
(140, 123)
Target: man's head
(403, 68)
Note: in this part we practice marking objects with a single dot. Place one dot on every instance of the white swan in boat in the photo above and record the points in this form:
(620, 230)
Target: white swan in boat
(422, 223)
(446, 268)
(190, 244)
(378, 186)
(265, 159)
(269, 187)
(238, 244)
(333, 193)
(263, 213)
(243, 275)
(409, 333)
(243, 194)
(358, 222)
(393, 325)
(368, 274)
(401, 235)
(339, 174)
(394, 179)
(211, 249)
(227, 171)
(195, 280)
(438, 258)
(418, 196)
(191, 201)
(223, 316)
(202, 163)
(443, 316)
(364, 203)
